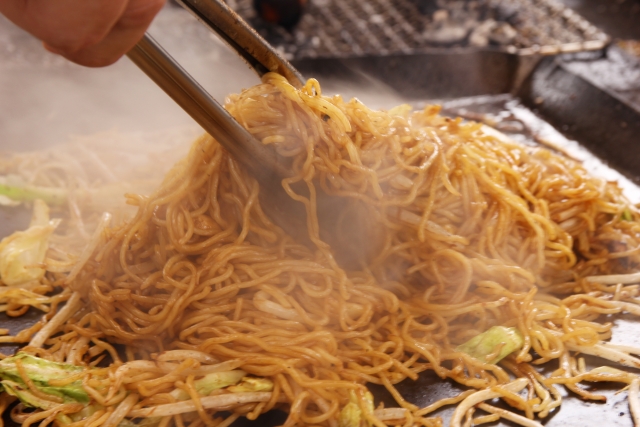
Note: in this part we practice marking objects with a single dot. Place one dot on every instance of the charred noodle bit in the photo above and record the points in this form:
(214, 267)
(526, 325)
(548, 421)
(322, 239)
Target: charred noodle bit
(216, 310)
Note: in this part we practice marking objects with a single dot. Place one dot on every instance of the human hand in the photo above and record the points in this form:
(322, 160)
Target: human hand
(93, 33)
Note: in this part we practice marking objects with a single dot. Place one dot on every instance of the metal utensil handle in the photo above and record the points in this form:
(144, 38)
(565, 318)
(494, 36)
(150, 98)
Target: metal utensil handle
(259, 54)
(151, 58)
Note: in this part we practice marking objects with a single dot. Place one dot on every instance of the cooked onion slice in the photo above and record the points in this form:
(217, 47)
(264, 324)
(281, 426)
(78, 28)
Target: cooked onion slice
(607, 352)
(480, 396)
(614, 279)
(218, 403)
(508, 415)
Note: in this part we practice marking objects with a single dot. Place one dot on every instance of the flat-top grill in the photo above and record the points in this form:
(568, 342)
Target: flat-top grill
(346, 28)
(402, 46)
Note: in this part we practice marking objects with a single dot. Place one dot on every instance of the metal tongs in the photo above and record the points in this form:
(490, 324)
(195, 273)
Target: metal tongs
(336, 215)
(261, 161)
(151, 58)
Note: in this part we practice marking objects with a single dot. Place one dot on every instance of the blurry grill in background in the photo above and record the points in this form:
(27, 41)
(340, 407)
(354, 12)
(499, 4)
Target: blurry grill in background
(285, 13)
(347, 28)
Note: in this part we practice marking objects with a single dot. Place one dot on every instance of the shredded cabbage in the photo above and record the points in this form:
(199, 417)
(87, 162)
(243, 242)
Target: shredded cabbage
(22, 254)
(40, 372)
(252, 384)
(212, 381)
(14, 190)
(352, 415)
(494, 344)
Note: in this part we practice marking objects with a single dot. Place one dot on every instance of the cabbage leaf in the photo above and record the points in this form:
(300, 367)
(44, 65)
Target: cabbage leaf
(14, 190)
(352, 415)
(252, 384)
(493, 345)
(22, 254)
(40, 372)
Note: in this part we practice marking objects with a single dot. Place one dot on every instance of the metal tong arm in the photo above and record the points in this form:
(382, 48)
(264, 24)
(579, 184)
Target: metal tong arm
(151, 58)
(255, 50)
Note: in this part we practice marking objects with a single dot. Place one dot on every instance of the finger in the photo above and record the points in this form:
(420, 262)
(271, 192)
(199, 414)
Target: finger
(123, 36)
(65, 25)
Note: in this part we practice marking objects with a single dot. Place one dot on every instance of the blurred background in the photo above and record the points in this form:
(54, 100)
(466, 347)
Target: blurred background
(383, 51)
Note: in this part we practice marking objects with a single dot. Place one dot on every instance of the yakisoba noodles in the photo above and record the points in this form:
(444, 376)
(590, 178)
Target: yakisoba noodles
(475, 232)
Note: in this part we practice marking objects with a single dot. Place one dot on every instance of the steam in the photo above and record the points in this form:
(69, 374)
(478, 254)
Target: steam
(46, 100)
